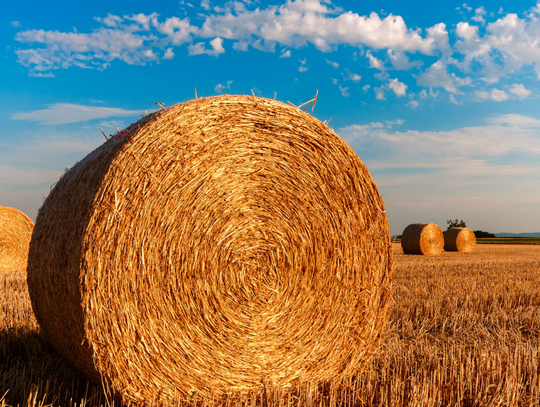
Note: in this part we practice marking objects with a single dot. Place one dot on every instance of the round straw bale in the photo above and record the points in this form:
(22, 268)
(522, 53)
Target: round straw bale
(214, 248)
(422, 238)
(459, 240)
(15, 235)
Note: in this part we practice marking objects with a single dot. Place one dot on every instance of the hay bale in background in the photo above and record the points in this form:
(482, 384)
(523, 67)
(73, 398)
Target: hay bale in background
(216, 247)
(422, 238)
(15, 234)
(459, 240)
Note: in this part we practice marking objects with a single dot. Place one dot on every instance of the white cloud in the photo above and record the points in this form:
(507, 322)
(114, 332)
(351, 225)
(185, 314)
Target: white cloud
(374, 62)
(365, 88)
(177, 31)
(15, 24)
(379, 93)
(135, 39)
(453, 100)
(297, 23)
(520, 90)
(496, 94)
(244, 46)
(96, 50)
(466, 150)
(505, 46)
(399, 88)
(482, 94)
(286, 54)
(200, 48)
(509, 44)
(437, 76)
(169, 54)
(440, 36)
(221, 88)
(205, 4)
(423, 94)
(344, 91)
(350, 76)
(334, 64)
(480, 12)
(401, 62)
(413, 104)
(62, 113)
(303, 67)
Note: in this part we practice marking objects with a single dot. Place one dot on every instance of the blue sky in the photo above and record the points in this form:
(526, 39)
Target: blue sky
(438, 99)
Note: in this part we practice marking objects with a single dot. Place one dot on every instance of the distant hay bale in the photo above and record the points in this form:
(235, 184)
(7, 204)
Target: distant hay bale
(215, 248)
(15, 234)
(422, 238)
(459, 240)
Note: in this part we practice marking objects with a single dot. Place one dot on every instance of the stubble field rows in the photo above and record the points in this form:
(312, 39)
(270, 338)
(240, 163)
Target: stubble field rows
(463, 330)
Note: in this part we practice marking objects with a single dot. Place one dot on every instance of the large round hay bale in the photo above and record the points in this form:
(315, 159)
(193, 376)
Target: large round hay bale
(15, 235)
(214, 248)
(422, 238)
(459, 240)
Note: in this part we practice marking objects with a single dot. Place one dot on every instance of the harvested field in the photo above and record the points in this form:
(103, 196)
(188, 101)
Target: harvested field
(464, 330)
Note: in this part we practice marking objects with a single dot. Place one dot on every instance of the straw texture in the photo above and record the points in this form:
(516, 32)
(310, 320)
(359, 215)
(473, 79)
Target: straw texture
(15, 234)
(215, 248)
(422, 238)
(459, 240)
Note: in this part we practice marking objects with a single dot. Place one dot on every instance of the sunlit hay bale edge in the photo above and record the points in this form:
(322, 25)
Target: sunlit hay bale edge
(15, 234)
(422, 238)
(218, 247)
(459, 240)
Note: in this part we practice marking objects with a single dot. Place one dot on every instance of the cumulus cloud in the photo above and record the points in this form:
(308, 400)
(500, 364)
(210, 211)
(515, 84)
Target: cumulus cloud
(496, 94)
(520, 90)
(220, 88)
(297, 23)
(62, 113)
(399, 88)
(509, 44)
(135, 39)
(200, 48)
(480, 12)
(437, 76)
(481, 53)
(169, 54)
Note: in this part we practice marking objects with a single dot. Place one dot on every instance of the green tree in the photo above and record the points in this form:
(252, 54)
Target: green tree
(456, 224)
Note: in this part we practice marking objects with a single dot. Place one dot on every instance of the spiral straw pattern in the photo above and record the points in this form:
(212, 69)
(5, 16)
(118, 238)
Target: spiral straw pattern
(214, 248)
(15, 234)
